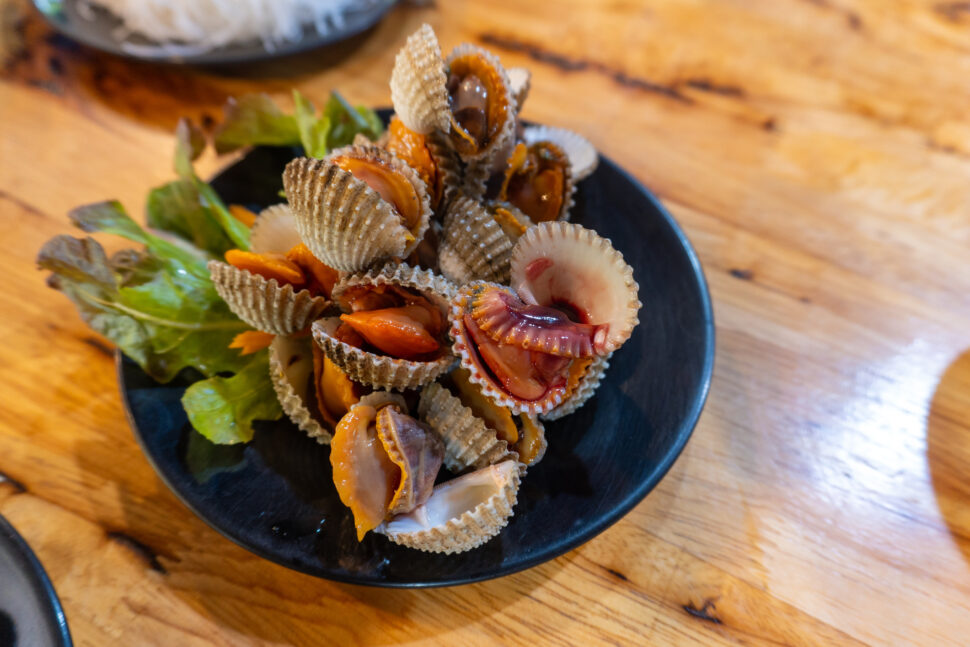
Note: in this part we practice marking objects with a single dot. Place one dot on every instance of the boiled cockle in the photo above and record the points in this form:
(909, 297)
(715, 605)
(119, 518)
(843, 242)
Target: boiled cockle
(392, 332)
(427, 154)
(384, 463)
(277, 290)
(538, 181)
(358, 206)
(574, 300)
(460, 514)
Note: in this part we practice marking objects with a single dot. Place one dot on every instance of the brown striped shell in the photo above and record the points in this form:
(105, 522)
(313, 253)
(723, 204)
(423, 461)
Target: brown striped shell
(473, 245)
(263, 303)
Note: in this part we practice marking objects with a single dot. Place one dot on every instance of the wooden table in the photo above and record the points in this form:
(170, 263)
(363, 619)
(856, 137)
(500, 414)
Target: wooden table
(817, 152)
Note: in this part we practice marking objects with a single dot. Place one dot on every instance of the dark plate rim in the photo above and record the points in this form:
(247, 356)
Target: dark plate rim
(588, 533)
(233, 54)
(40, 582)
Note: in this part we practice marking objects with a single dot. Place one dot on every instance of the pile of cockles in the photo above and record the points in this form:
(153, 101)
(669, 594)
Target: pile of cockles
(427, 302)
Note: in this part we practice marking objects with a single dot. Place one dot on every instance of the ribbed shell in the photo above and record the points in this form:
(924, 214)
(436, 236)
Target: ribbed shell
(448, 165)
(274, 230)
(344, 222)
(588, 383)
(578, 256)
(473, 246)
(378, 371)
(469, 443)
(419, 90)
(520, 80)
(471, 528)
(437, 289)
(292, 380)
(582, 154)
(414, 448)
(262, 303)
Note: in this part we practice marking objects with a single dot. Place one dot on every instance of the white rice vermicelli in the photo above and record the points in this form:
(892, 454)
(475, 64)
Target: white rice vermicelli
(186, 27)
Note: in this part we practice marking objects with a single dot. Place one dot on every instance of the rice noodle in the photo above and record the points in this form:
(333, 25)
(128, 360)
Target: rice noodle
(187, 27)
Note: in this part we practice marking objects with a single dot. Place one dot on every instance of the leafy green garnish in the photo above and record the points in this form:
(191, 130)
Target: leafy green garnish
(223, 408)
(154, 309)
(255, 119)
(177, 208)
(252, 120)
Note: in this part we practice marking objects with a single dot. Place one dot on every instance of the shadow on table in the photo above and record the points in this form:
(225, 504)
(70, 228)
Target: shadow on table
(948, 449)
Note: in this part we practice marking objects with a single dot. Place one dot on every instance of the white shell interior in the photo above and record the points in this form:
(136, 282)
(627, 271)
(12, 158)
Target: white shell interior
(453, 498)
(581, 269)
(296, 359)
(274, 231)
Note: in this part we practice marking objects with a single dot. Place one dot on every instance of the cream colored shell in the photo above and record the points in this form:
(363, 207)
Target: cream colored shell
(582, 154)
(262, 303)
(344, 222)
(291, 371)
(473, 246)
(584, 269)
(520, 80)
(466, 527)
(419, 81)
(469, 443)
(274, 231)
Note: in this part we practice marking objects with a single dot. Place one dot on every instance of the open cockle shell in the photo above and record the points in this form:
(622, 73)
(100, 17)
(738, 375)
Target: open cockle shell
(470, 360)
(473, 245)
(342, 220)
(291, 371)
(501, 110)
(375, 370)
(435, 288)
(262, 303)
(545, 152)
(419, 90)
(469, 443)
(274, 231)
(584, 390)
(416, 450)
(520, 80)
(582, 154)
(558, 263)
(461, 514)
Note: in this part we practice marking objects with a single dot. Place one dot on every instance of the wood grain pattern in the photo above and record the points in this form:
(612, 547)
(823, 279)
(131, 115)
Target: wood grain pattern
(817, 153)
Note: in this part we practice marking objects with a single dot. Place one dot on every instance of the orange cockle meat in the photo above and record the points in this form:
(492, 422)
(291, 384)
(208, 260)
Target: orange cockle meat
(269, 266)
(400, 332)
(336, 393)
(393, 187)
(535, 181)
(364, 475)
(412, 147)
(320, 277)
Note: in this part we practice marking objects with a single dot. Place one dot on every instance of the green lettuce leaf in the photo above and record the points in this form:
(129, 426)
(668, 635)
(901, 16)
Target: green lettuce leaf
(223, 408)
(346, 121)
(177, 208)
(313, 131)
(155, 310)
(252, 120)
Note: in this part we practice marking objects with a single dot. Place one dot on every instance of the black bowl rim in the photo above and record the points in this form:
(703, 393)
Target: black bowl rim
(40, 582)
(230, 55)
(588, 533)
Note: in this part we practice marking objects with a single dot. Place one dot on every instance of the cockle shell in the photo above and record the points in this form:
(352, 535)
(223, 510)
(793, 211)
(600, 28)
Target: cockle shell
(469, 443)
(520, 80)
(584, 390)
(448, 166)
(461, 514)
(344, 222)
(381, 371)
(262, 303)
(419, 81)
(569, 181)
(473, 246)
(563, 262)
(416, 450)
(274, 231)
(582, 154)
(291, 371)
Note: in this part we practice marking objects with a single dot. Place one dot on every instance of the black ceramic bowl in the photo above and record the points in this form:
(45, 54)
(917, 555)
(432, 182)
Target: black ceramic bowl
(98, 31)
(275, 495)
(30, 613)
